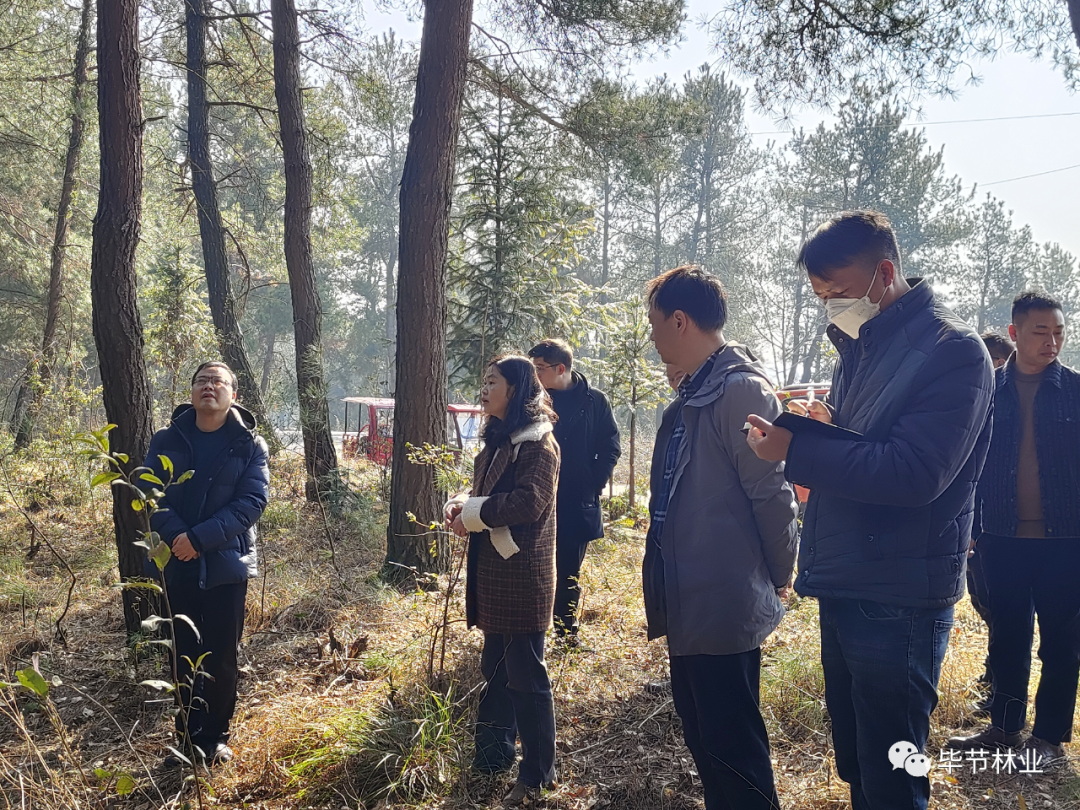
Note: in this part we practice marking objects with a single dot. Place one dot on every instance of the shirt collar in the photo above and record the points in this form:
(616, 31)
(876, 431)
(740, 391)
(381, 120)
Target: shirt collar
(691, 383)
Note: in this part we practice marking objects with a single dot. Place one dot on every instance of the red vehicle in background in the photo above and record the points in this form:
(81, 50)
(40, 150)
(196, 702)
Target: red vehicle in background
(802, 392)
(373, 435)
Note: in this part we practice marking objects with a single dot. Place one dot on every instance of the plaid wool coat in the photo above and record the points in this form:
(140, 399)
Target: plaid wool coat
(514, 595)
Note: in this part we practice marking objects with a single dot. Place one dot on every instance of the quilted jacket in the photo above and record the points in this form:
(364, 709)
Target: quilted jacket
(219, 505)
(890, 514)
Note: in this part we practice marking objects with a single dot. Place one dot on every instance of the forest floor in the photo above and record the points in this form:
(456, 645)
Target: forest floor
(342, 704)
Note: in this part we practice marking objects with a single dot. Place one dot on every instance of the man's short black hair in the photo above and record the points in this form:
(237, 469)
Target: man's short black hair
(999, 346)
(554, 351)
(693, 290)
(847, 237)
(216, 364)
(1030, 300)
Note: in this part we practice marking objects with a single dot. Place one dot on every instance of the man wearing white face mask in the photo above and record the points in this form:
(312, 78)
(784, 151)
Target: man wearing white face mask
(888, 524)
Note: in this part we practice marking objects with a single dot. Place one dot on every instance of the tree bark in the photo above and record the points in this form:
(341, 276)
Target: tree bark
(212, 233)
(631, 500)
(391, 293)
(268, 363)
(658, 232)
(426, 187)
(29, 393)
(814, 353)
(118, 332)
(319, 454)
(1074, 18)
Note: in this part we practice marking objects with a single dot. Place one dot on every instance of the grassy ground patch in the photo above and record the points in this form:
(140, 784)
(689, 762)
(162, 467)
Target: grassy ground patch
(335, 710)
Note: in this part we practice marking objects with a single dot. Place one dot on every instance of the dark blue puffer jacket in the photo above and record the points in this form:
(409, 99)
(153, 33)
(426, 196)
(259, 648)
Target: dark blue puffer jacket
(889, 517)
(218, 506)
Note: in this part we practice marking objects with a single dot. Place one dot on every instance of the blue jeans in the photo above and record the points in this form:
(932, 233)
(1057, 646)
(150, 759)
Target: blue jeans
(882, 665)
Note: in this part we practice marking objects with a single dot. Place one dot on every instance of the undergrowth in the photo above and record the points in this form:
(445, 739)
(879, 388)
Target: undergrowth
(336, 707)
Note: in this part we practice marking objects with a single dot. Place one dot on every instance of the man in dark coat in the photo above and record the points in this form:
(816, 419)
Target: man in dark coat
(1000, 349)
(1029, 547)
(589, 440)
(888, 523)
(209, 521)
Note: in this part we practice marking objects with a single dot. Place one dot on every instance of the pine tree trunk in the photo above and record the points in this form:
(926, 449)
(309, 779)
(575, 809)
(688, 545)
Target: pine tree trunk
(26, 402)
(1074, 18)
(814, 353)
(605, 250)
(391, 293)
(319, 454)
(212, 233)
(658, 233)
(118, 332)
(631, 501)
(426, 186)
(268, 363)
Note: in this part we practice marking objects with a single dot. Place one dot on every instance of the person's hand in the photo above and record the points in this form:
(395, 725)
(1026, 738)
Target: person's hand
(769, 442)
(457, 527)
(452, 511)
(182, 548)
(815, 410)
(785, 592)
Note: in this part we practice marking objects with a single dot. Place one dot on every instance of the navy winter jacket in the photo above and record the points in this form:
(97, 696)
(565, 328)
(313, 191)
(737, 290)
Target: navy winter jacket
(589, 441)
(890, 514)
(1057, 440)
(219, 505)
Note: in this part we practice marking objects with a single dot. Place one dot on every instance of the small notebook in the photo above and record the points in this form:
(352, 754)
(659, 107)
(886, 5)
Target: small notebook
(804, 424)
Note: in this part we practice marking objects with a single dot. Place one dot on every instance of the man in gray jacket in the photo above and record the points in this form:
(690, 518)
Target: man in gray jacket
(721, 541)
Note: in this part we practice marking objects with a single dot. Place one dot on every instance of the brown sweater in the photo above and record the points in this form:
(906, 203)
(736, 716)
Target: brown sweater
(1029, 511)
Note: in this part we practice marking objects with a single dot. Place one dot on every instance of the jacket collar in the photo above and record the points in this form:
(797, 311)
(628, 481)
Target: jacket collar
(1052, 374)
(575, 394)
(729, 358)
(240, 420)
(891, 320)
(531, 433)
(498, 459)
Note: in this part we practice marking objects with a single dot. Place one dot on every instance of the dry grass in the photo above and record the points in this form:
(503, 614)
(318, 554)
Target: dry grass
(356, 727)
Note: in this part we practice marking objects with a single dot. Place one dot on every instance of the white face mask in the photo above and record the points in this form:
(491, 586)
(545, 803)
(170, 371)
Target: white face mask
(849, 314)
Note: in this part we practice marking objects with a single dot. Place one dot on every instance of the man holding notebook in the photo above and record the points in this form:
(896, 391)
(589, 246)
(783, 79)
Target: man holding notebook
(888, 524)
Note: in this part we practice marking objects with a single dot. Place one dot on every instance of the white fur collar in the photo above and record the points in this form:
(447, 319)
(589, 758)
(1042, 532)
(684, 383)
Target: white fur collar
(531, 433)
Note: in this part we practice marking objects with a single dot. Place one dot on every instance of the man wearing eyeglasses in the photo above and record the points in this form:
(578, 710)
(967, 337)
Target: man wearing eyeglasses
(589, 440)
(209, 522)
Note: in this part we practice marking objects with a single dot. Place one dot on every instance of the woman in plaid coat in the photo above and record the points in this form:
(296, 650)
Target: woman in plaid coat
(510, 589)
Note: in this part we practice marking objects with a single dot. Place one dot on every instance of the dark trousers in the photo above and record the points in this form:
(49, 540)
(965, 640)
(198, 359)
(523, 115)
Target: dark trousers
(569, 555)
(218, 613)
(881, 665)
(516, 701)
(1025, 578)
(717, 698)
(976, 583)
